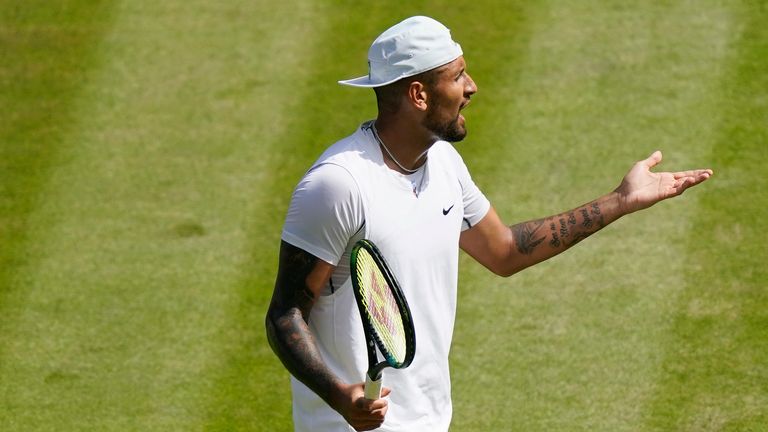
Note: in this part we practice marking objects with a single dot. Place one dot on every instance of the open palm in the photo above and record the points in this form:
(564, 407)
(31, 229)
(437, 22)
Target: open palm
(642, 188)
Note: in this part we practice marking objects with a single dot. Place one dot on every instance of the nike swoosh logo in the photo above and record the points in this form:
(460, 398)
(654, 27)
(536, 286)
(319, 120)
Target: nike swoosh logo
(445, 212)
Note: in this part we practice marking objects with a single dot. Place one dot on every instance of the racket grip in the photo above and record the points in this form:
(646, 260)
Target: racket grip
(372, 388)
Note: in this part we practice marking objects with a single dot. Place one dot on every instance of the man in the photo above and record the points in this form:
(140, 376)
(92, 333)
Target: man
(398, 182)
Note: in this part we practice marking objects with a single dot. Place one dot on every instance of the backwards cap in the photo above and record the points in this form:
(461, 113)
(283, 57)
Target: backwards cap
(415, 45)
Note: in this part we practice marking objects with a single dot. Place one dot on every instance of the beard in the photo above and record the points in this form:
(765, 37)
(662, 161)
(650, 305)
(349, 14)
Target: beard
(446, 130)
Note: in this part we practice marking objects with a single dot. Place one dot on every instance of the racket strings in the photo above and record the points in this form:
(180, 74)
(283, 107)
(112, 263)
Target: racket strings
(381, 306)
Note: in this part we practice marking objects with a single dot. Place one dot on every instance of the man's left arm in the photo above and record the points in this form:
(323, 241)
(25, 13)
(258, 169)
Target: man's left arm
(506, 250)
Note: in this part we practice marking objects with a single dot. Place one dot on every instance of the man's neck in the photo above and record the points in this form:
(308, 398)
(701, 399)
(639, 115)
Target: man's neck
(407, 143)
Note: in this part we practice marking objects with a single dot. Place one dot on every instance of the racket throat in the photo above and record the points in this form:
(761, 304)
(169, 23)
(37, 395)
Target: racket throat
(374, 374)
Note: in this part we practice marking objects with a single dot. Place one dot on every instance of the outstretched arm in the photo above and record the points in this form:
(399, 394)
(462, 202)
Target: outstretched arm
(300, 279)
(507, 250)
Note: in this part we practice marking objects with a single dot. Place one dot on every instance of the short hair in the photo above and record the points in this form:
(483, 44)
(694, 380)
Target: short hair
(389, 97)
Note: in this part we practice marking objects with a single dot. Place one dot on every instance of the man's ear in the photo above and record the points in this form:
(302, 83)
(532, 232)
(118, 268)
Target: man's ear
(417, 95)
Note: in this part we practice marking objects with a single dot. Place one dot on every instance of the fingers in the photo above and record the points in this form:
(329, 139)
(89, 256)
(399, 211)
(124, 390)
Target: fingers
(683, 182)
(699, 174)
(364, 404)
(369, 414)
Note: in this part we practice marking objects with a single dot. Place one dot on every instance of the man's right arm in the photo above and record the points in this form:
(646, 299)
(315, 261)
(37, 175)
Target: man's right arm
(300, 279)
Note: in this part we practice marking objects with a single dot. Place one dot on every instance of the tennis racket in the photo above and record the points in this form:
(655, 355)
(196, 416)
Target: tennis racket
(386, 318)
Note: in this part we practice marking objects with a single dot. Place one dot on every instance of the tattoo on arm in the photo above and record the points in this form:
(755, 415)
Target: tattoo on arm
(555, 242)
(287, 329)
(526, 237)
(598, 214)
(565, 230)
(587, 221)
(293, 287)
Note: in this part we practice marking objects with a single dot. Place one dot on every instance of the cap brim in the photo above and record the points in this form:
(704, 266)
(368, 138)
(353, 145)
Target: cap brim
(365, 82)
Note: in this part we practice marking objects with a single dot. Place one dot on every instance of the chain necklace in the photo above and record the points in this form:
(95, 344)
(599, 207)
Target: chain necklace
(376, 135)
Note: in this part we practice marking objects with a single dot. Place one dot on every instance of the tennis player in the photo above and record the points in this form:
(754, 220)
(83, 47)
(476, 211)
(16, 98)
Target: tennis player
(398, 181)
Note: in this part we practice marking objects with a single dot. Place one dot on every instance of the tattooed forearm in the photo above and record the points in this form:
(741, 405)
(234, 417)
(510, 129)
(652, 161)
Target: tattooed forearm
(565, 230)
(290, 338)
(527, 237)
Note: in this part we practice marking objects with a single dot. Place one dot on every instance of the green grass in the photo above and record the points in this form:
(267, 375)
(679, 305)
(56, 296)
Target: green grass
(148, 151)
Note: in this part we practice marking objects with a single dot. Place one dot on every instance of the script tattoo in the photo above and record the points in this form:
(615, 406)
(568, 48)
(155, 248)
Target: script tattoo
(592, 220)
(567, 230)
(595, 209)
(597, 213)
(563, 228)
(555, 242)
(587, 223)
(527, 237)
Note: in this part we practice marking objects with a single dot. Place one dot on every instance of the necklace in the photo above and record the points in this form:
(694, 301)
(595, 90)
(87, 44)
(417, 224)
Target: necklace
(376, 135)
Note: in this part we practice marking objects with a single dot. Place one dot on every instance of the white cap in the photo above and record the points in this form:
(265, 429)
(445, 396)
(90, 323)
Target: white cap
(415, 45)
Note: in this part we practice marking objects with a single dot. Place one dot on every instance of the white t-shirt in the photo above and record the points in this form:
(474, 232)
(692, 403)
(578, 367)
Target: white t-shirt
(348, 194)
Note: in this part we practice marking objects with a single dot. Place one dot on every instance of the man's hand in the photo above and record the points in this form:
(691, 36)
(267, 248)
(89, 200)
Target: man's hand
(642, 188)
(361, 413)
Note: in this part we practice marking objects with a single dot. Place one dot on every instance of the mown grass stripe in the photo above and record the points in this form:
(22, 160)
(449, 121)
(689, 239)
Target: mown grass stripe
(601, 86)
(46, 56)
(714, 370)
(249, 391)
(127, 303)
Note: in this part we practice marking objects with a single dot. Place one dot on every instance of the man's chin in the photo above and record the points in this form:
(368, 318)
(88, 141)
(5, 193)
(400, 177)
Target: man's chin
(455, 134)
(455, 138)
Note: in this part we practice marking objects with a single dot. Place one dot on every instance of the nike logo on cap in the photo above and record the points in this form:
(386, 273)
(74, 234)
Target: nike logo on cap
(445, 212)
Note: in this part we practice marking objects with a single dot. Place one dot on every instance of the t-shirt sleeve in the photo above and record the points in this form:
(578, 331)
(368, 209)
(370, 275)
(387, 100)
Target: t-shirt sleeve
(476, 205)
(325, 212)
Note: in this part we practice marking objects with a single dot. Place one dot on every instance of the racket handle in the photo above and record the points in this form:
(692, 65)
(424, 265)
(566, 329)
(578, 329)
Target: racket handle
(372, 388)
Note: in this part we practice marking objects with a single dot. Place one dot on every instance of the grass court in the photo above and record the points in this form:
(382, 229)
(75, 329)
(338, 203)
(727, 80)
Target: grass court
(148, 151)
